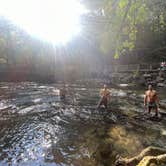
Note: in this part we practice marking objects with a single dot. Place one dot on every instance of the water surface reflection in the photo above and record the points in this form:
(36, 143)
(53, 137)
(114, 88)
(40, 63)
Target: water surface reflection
(39, 129)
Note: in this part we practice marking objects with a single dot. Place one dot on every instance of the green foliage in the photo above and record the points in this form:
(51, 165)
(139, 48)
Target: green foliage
(116, 56)
(118, 27)
(122, 3)
(130, 24)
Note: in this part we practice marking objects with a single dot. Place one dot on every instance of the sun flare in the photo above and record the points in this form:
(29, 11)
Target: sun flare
(55, 21)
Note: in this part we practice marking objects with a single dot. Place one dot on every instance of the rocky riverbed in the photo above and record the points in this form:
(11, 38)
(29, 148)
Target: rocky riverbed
(37, 128)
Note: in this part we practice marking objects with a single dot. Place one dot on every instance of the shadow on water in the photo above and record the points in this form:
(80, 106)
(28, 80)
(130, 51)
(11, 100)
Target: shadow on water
(39, 129)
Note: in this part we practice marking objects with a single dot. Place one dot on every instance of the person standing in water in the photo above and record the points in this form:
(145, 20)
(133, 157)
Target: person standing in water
(105, 96)
(63, 92)
(151, 100)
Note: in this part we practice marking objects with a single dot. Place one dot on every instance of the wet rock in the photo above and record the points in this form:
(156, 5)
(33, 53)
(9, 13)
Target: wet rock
(147, 76)
(153, 82)
(161, 85)
(159, 79)
(162, 74)
(142, 80)
(26, 110)
(123, 85)
(133, 96)
(163, 104)
(127, 78)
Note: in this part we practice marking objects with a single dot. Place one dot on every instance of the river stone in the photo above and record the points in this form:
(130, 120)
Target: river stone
(159, 79)
(147, 75)
(161, 85)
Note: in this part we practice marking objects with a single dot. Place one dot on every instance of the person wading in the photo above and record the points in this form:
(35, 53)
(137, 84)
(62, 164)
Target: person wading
(63, 92)
(151, 100)
(105, 97)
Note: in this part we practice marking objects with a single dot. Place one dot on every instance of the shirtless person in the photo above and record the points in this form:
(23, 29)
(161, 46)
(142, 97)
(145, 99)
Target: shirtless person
(105, 96)
(151, 100)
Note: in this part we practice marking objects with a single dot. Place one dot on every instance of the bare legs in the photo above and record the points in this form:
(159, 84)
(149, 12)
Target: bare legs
(156, 110)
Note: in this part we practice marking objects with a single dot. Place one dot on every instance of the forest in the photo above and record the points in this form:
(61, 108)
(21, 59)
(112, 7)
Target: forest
(113, 32)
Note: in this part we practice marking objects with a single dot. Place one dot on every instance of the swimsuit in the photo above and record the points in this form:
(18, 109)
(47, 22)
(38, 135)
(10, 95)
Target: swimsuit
(104, 99)
(152, 105)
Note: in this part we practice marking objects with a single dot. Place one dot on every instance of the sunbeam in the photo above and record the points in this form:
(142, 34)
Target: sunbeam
(55, 21)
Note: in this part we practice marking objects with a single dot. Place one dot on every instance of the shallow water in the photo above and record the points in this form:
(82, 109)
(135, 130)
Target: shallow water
(37, 128)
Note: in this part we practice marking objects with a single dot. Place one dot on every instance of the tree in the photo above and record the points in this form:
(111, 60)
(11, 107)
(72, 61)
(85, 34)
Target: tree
(129, 25)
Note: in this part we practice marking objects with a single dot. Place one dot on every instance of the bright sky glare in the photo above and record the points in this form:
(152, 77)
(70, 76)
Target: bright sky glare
(55, 21)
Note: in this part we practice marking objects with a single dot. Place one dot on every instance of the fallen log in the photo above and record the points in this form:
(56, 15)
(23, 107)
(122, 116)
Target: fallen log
(150, 155)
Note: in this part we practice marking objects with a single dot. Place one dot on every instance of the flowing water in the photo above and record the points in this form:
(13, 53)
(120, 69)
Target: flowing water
(38, 129)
